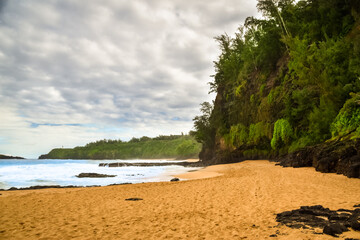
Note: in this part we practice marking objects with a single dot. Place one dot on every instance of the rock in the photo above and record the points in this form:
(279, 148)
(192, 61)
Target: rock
(94, 175)
(334, 229)
(326, 164)
(133, 199)
(148, 164)
(332, 222)
(355, 225)
(273, 235)
(357, 205)
(354, 170)
(340, 156)
(174, 180)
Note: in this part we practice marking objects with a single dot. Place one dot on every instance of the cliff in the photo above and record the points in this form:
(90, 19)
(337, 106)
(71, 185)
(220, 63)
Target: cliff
(288, 85)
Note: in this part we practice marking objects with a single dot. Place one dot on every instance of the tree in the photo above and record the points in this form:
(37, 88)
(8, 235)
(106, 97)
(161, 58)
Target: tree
(202, 125)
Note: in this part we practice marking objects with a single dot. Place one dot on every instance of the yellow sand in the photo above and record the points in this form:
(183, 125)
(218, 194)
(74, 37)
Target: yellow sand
(241, 203)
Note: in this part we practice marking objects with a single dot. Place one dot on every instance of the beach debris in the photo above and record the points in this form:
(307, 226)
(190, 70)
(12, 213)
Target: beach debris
(133, 199)
(332, 222)
(94, 175)
(175, 180)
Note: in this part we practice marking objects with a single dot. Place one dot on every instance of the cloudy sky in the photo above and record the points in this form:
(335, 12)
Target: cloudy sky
(73, 71)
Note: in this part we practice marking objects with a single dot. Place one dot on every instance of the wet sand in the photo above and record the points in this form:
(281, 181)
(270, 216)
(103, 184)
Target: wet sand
(234, 201)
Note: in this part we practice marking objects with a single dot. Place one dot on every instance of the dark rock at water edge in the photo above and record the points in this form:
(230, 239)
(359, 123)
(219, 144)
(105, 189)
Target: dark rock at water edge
(175, 180)
(332, 222)
(39, 187)
(149, 164)
(94, 175)
(58, 186)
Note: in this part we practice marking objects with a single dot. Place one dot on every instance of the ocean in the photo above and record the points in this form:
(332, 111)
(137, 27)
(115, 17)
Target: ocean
(34, 172)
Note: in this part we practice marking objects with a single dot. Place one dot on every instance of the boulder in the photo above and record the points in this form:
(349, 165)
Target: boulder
(334, 229)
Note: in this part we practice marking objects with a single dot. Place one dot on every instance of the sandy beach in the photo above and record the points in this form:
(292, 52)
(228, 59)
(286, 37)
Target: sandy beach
(234, 201)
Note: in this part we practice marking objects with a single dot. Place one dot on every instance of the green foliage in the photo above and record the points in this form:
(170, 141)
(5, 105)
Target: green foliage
(204, 133)
(238, 135)
(173, 146)
(187, 149)
(258, 132)
(294, 67)
(300, 143)
(282, 135)
(348, 119)
(262, 89)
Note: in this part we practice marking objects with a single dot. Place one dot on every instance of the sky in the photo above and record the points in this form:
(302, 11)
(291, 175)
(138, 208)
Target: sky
(73, 72)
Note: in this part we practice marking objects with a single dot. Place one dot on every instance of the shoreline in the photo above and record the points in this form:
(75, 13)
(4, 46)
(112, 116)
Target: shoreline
(183, 162)
(240, 202)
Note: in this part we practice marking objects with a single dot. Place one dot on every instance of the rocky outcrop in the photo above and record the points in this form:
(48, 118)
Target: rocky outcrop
(149, 164)
(341, 156)
(311, 217)
(94, 175)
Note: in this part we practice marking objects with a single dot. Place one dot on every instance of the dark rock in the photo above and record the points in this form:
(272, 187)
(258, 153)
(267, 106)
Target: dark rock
(337, 156)
(355, 225)
(174, 180)
(117, 184)
(94, 175)
(334, 229)
(133, 199)
(341, 217)
(354, 170)
(332, 222)
(326, 164)
(273, 235)
(357, 205)
(149, 164)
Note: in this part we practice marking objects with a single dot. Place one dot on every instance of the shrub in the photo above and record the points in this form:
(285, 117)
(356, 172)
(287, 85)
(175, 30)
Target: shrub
(238, 135)
(282, 133)
(348, 118)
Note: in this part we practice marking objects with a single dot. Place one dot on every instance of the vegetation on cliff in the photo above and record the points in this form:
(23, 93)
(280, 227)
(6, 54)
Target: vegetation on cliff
(286, 81)
(173, 146)
(9, 157)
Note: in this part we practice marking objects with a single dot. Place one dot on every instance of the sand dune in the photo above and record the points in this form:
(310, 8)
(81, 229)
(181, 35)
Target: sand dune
(240, 202)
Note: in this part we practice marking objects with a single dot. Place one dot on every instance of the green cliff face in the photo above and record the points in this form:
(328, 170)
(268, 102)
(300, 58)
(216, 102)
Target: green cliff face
(174, 146)
(284, 82)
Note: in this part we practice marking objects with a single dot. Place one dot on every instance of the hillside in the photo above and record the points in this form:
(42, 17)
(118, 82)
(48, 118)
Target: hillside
(9, 157)
(286, 82)
(173, 146)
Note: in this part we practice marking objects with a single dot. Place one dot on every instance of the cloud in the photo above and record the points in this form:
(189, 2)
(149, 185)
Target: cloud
(125, 68)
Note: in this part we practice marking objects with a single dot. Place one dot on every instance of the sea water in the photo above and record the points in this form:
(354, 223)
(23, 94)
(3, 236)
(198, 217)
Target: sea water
(33, 172)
